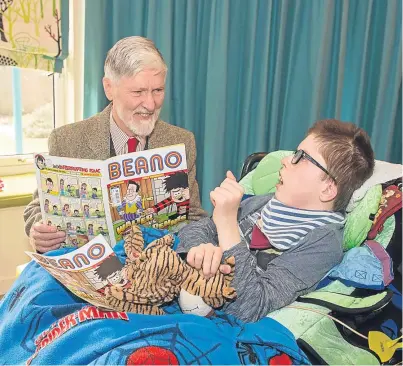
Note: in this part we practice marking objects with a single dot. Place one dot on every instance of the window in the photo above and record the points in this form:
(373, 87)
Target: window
(26, 116)
(26, 110)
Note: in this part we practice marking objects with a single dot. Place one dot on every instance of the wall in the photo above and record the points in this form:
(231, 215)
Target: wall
(13, 244)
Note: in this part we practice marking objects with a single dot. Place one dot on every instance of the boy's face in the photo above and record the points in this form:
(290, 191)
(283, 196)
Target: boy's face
(180, 194)
(302, 185)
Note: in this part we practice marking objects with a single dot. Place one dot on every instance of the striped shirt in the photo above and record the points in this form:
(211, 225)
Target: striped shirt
(285, 226)
(119, 139)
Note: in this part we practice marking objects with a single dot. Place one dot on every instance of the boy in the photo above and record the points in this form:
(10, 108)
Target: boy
(302, 223)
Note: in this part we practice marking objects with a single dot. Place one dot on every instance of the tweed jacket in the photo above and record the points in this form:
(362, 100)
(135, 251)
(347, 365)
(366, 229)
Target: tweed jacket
(90, 139)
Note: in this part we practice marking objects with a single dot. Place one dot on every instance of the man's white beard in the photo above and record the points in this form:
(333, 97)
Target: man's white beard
(140, 128)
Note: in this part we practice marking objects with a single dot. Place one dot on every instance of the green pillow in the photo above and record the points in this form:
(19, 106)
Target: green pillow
(358, 223)
(264, 178)
(266, 175)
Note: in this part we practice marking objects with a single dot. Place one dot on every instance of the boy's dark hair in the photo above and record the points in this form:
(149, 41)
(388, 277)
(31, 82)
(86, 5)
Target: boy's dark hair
(54, 206)
(95, 188)
(177, 180)
(349, 157)
(109, 266)
(75, 210)
(49, 180)
(135, 183)
(39, 158)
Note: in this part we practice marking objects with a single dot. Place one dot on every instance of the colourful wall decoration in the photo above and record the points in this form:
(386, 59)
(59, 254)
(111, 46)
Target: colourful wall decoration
(33, 33)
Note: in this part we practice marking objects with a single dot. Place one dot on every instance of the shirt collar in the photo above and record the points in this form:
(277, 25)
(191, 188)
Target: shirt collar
(119, 138)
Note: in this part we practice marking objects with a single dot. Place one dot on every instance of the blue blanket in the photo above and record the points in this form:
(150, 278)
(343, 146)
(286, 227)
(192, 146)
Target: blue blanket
(43, 323)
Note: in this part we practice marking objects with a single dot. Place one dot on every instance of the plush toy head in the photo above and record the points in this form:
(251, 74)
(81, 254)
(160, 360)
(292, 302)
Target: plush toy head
(156, 275)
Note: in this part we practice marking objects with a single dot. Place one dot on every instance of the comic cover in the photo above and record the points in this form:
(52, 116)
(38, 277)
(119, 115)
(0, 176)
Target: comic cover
(86, 271)
(90, 197)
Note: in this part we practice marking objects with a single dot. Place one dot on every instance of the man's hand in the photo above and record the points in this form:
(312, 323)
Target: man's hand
(226, 199)
(207, 257)
(45, 238)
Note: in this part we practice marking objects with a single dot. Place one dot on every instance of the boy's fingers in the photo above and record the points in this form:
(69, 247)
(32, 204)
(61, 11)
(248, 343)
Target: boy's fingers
(215, 263)
(208, 257)
(230, 175)
(225, 269)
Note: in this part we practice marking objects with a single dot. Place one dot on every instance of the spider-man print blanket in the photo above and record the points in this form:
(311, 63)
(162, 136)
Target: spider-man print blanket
(41, 322)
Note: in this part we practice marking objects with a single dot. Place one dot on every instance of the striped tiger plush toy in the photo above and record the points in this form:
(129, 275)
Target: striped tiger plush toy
(157, 275)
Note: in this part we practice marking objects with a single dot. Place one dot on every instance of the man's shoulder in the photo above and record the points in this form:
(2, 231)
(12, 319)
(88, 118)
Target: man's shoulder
(76, 127)
(170, 131)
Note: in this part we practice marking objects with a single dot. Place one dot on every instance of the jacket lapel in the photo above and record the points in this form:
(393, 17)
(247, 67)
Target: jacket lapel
(155, 137)
(98, 136)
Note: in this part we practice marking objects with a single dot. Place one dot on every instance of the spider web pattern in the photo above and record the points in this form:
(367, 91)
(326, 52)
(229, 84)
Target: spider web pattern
(171, 339)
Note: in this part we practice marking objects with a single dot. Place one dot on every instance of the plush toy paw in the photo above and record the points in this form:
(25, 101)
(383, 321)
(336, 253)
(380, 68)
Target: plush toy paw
(192, 304)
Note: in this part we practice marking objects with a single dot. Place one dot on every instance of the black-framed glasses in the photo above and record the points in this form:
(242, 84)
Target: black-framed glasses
(299, 154)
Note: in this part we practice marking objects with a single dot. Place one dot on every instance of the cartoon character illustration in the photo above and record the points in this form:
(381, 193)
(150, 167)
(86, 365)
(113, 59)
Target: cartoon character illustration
(46, 206)
(76, 213)
(94, 194)
(69, 191)
(90, 229)
(49, 185)
(59, 228)
(86, 211)
(54, 210)
(49, 223)
(68, 226)
(102, 231)
(40, 162)
(79, 231)
(83, 190)
(61, 187)
(66, 210)
(110, 271)
(132, 205)
(98, 213)
(177, 185)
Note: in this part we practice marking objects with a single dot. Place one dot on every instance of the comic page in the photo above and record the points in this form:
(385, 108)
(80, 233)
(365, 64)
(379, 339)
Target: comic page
(149, 188)
(86, 271)
(70, 195)
(86, 198)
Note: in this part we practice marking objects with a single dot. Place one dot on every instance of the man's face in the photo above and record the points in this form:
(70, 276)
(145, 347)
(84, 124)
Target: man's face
(137, 100)
(180, 194)
(301, 184)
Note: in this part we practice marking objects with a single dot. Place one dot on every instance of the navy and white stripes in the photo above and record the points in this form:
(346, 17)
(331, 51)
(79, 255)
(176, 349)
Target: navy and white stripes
(285, 226)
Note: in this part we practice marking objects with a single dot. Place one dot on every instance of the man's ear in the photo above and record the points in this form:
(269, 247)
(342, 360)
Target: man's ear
(329, 191)
(108, 88)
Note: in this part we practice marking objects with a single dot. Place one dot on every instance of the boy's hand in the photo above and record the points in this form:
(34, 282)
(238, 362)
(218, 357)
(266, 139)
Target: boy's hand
(207, 257)
(45, 238)
(226, 199)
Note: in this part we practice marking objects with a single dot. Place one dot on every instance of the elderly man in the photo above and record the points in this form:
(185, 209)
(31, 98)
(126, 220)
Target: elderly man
(134, 82)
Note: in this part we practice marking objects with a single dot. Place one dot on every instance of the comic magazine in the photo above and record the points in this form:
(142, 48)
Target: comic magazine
(86, 271)
(86, 198)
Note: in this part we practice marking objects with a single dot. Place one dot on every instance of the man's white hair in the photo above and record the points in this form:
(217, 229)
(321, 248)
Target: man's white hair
(131, 55)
